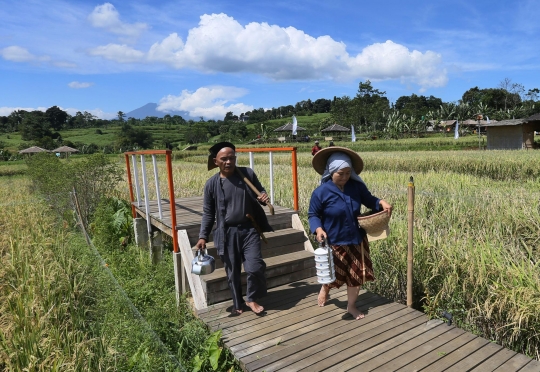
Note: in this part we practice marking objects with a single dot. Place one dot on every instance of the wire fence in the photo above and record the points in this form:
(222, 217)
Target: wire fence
(103, 265)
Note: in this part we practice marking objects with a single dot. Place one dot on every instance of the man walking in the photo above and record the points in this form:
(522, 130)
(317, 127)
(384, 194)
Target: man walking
(230, 203)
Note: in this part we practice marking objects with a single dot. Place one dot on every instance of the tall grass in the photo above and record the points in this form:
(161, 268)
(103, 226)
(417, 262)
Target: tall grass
(47, 295)
(65, 306)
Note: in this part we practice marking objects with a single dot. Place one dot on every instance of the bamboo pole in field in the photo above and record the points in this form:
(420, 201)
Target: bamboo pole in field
(410, 210)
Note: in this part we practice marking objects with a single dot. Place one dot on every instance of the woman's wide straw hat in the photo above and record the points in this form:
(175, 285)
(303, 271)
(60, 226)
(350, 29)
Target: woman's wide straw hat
(321, 157)
(375, 225)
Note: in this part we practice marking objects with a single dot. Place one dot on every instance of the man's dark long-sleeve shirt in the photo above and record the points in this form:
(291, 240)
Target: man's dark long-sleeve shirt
(215, 207)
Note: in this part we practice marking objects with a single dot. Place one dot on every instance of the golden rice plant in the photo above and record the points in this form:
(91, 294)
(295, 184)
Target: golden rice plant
(45, 298)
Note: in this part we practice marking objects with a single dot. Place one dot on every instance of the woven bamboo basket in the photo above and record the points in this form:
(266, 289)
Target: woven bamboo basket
(375, 225)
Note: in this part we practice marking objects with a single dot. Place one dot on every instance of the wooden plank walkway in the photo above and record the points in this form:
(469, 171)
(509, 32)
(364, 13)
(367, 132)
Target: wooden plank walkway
(295, 334)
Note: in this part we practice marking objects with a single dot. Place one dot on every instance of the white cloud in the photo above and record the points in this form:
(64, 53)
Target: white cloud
(389, 60)
(16, 53)
(79, 85)
(220, 44)
(107, 17)
(119, 53)
(211, 102)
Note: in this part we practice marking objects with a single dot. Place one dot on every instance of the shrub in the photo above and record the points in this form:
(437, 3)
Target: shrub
(112, 223)
(92, 178)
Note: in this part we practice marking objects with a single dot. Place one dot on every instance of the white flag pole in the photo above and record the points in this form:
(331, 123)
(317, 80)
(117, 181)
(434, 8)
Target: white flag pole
(294, 125)
(353, 136)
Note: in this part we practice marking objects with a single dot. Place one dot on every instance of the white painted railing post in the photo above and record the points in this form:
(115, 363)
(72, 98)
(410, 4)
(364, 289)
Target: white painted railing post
(158, 194)
(136, 177)
(146, 201)
(271, 162)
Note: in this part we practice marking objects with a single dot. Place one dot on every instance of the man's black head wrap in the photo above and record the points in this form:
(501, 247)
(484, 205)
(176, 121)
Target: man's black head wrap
(214, 151)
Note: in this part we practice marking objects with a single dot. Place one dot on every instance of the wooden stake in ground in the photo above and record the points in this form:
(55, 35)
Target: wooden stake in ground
(410, 210)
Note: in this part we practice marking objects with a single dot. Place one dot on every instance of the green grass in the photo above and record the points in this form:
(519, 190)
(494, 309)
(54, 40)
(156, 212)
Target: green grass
(67, 306)
(88, 136)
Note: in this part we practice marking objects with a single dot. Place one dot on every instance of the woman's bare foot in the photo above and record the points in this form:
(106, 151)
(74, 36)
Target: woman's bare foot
(323, 295)
(355, 312)
(255, 307)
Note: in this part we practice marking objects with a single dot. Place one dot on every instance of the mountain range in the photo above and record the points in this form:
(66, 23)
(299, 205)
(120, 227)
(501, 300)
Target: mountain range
(150, 109)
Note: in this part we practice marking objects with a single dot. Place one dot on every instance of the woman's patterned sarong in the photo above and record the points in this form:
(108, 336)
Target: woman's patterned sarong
(352, 264)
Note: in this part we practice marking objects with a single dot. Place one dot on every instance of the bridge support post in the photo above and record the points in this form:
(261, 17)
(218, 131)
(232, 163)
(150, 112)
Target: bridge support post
(178, 276)
(156, 249)
(141, 232)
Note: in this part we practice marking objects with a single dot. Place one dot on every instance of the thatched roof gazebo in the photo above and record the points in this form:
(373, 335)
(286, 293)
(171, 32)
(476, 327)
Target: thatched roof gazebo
(336, 128)
(65, 150)
(33, 150)
(288, 128)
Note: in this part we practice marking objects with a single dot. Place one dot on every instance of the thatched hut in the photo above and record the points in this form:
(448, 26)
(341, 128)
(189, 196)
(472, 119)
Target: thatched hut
(65, 150)
(336, 128)
(288, 128)
(33, 150)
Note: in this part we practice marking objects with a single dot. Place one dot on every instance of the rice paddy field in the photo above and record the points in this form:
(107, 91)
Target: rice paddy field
(476, 237)
(476, 244)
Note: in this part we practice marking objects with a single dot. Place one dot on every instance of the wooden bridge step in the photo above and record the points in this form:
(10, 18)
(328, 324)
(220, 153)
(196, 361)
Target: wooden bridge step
(279, 242)
(280, 270)
(278, 222)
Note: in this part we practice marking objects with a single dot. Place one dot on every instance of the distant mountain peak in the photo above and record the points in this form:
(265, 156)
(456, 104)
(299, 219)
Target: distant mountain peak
(150, 109)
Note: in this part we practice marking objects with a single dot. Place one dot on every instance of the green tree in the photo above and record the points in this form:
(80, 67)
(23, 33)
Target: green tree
(129, 138)
(418, 106)
(34, 126)
(512, 92)
(370, 105)
(57, 117)
(15, 120)
(533, 94)
(229, 116)
(197, 133)
(121, 116)
(341, 110)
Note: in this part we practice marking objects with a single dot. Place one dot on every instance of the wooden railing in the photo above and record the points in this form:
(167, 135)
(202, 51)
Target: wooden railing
(137, 196)
(294, 165)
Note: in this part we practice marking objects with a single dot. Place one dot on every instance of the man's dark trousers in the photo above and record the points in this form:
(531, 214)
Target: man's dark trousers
(243, 245)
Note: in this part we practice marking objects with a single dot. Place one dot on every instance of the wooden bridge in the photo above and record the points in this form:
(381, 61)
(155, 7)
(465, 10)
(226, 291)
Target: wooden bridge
(294, 334)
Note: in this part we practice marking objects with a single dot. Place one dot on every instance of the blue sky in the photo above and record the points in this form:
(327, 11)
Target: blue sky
(209, 57)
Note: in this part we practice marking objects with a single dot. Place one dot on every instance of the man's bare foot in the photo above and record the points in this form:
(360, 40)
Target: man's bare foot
(323, 295)
(355, 312)
(257, 309)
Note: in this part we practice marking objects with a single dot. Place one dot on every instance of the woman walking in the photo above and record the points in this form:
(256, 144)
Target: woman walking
(333, 211)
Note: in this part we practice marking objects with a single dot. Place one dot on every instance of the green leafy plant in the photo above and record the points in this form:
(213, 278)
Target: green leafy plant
(210, 354)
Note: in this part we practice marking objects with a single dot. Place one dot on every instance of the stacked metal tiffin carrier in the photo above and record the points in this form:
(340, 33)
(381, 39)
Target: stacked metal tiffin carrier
(324, 263)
